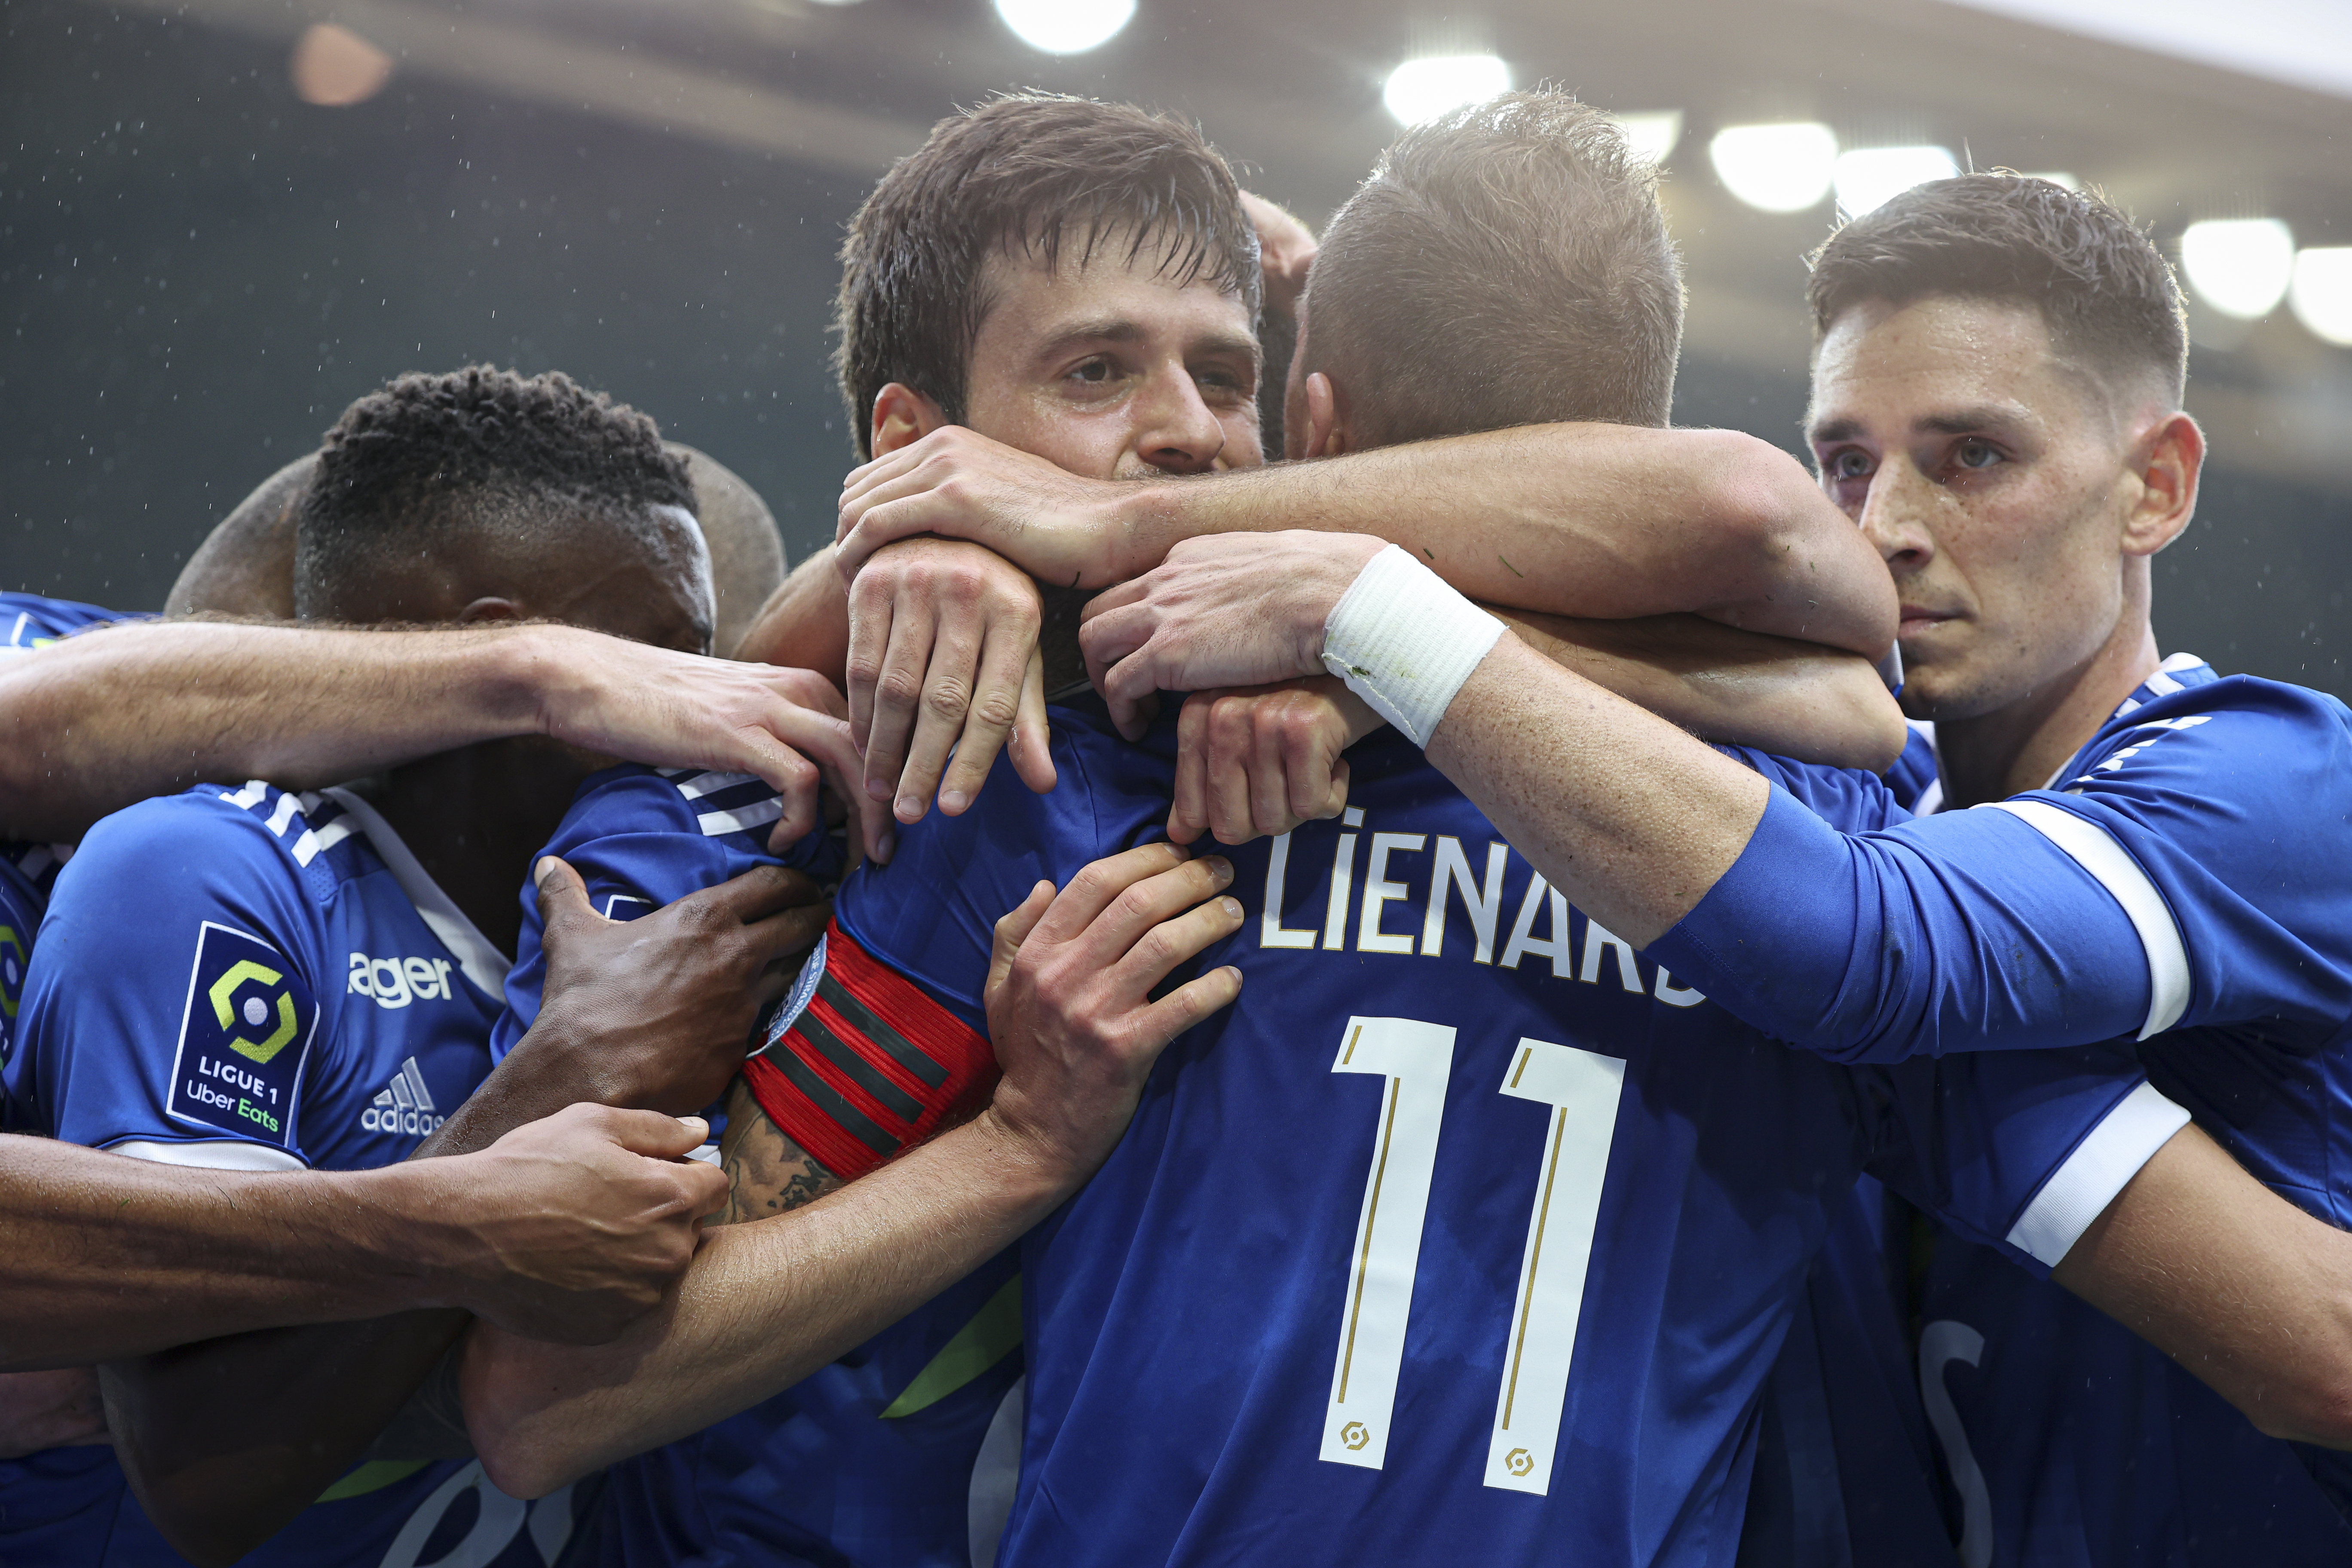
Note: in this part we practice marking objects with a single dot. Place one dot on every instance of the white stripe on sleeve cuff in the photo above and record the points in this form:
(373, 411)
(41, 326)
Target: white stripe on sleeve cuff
(2081, 1190)
(2095, 849)
(210, 1154)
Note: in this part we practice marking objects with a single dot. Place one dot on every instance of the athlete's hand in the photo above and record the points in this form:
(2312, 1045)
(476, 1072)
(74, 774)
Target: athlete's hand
(1069, 995)
(1229, 609)
(1062, 530)
(666, 709)
(50, 1410)
(571, 1227)
(944, 657)
(656, 1013)
(1262, 760)
(1285, 251)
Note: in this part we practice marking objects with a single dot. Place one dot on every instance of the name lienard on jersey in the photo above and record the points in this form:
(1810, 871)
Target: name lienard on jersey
(1450, 877)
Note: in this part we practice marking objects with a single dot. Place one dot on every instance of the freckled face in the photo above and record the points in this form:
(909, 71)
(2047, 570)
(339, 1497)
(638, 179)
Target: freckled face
(1993, 479)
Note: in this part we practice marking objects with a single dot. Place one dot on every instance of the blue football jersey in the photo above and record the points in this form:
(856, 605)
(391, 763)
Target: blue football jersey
(2071, 1440)
(28, 622)
(255, 980)
(1467, 1234)
(873, 1460)
(2175, 877)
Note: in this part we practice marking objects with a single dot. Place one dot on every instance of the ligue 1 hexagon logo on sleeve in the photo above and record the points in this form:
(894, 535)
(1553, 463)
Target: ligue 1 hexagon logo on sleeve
(244, 1038)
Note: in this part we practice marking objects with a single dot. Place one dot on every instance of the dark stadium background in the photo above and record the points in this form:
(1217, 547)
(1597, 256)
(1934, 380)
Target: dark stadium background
(198, 269)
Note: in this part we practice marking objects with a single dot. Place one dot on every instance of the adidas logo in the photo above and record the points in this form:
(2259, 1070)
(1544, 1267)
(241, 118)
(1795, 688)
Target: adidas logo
(402, 1106)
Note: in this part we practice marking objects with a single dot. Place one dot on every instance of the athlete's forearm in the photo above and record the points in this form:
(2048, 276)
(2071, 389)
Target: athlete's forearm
(765, 1304)
(108, 719)
(805, 624)
(227, 1441)
(1598, 520)
(1966, 931)
(2242, 1288)
(1793, 698)
(1629, 816)
(112, 1258)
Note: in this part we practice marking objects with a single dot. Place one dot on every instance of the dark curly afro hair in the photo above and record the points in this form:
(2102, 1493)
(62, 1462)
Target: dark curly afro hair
(426, 456)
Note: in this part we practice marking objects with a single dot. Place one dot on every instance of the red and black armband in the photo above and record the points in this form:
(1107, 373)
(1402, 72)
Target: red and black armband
(859, 1064)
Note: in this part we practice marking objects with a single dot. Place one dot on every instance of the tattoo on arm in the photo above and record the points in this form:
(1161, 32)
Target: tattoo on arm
(767, 1173)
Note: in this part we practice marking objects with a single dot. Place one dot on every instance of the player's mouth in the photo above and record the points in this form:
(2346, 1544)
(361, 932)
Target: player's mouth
(1916, 620)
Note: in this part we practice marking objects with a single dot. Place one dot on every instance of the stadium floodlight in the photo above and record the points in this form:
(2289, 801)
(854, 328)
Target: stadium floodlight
(1420, 91)
(1065, 27)
(2240, 267)
(1652, 135)
(2322, 292)
(1782, 168)
(1869, 177)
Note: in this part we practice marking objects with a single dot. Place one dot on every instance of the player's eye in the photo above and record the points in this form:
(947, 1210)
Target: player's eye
(1973, 454)
(1848, 463)
(1094, 372)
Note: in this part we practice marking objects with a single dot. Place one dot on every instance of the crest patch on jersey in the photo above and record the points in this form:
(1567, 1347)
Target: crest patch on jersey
(244, 1038)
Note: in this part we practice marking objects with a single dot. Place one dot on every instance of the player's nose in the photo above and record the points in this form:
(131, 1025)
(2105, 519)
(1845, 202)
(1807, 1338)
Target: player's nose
(1894, 516)
(1176, 430)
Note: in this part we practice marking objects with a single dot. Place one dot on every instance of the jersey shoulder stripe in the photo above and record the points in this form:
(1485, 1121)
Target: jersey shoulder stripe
(726, 802)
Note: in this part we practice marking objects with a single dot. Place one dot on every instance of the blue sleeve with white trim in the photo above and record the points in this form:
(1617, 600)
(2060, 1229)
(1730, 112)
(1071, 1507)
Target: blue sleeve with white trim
(642, 837)
(2185, 871)
(173, 995)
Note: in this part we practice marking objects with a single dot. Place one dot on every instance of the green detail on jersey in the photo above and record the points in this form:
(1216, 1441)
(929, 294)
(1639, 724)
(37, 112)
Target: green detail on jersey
(236, 974)
(993, 1333)
(373, 1475)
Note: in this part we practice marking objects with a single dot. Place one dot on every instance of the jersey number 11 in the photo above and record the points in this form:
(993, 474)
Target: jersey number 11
(1582, 1089)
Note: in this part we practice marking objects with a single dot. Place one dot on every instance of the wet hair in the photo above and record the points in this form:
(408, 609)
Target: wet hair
(1506, 264)
(1031, 174)
(2107, 295)
(430, 458)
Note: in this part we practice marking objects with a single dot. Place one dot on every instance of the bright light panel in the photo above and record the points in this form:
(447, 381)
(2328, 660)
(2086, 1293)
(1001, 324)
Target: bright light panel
(1652, 135)
(1782, 168)
(1868, 177)
(2240, 267)
(1065, 27)
(2322, 292)
(1420, 91)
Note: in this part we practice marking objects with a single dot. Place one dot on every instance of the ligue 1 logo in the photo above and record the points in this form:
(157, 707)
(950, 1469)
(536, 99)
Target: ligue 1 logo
(242, 1039)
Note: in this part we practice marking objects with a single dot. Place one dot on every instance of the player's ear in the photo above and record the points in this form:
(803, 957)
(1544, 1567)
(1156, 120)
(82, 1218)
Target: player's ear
(2169, 457)
(1326, 418)
(901, 417)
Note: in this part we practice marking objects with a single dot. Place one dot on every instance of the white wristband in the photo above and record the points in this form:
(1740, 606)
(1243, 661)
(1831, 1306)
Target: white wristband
(1404, 641)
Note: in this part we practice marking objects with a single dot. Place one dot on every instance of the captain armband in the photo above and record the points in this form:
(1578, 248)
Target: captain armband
(1404, 641)
(858, 1064)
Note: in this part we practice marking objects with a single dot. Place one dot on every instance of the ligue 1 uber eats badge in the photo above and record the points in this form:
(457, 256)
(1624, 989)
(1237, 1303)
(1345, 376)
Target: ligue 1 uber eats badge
(243, 1039)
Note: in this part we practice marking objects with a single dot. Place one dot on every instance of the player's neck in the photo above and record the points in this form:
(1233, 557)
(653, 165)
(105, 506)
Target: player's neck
(2017, 747)
(472, 817)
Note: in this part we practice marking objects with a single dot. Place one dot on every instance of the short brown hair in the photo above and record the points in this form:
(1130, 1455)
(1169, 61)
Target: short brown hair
(1506, 264)
(2105, 292)
(1026, 173)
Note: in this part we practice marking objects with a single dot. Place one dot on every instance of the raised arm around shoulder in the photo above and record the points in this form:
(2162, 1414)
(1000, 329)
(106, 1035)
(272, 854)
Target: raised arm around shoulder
(2242, 1288)
(1795, 699)
(1598, 520)
(110, 718)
